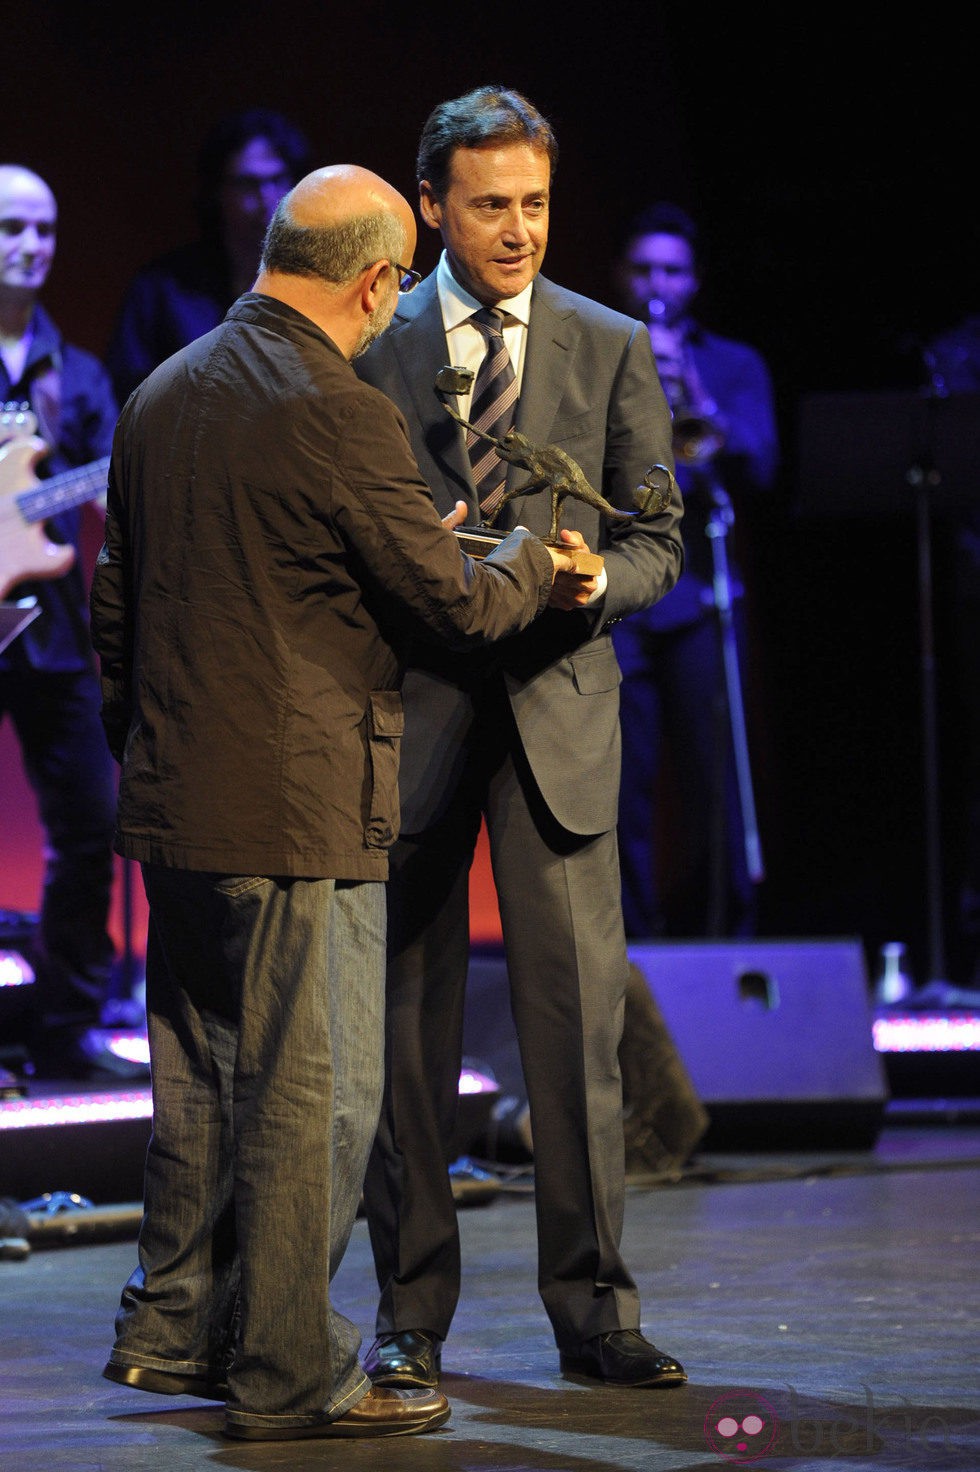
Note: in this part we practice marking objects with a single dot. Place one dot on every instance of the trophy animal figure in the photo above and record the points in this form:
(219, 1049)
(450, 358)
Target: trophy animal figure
(550, 466)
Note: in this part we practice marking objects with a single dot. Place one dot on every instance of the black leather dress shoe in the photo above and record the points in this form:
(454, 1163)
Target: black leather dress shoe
(624, 1357)
(166, 1382)
(382, 1412)
(409, 1360)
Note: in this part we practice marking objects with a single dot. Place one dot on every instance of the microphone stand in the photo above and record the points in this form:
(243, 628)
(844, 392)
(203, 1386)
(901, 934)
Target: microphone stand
(695, 434)
(924, 477)
(719, 525)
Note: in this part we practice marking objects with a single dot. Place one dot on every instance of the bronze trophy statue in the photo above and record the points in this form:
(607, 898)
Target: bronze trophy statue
(549, 466)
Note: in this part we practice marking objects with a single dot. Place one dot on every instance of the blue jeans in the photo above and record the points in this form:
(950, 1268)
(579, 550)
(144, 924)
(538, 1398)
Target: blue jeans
(265, 1009)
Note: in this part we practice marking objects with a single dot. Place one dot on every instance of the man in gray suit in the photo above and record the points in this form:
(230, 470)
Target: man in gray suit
(528, 737)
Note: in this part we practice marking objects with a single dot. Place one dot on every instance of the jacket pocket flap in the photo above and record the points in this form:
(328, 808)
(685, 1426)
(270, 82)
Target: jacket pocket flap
(387, 714)
(595, 672)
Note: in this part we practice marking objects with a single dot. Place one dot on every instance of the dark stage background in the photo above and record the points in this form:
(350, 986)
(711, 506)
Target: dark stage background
(823, 153)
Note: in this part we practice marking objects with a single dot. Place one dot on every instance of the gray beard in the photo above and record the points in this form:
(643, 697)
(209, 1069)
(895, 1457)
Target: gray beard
(374, 326)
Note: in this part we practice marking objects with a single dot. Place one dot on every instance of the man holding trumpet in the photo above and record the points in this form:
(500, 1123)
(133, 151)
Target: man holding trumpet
(677, 695)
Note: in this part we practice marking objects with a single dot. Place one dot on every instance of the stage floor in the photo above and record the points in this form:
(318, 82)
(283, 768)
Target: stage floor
(831, 1294)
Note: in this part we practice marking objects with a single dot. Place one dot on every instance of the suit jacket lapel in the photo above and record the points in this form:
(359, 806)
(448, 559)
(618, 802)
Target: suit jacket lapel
(552, 338)
(418, 343)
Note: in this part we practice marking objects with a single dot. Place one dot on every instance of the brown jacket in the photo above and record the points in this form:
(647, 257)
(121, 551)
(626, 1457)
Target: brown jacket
(268, 532)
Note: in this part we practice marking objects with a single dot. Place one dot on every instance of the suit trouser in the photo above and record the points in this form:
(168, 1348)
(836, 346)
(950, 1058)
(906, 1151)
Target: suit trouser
(567, 967)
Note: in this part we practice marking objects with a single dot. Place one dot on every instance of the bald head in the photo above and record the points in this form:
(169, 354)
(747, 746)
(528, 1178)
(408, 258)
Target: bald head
(331, 196)
(335, 249)
(28, 226)
(335, 222)
(15, 177)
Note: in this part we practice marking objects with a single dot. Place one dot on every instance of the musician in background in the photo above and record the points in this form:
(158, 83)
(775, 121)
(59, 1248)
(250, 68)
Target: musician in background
(687, 873)
(246, 164)
(48, 684)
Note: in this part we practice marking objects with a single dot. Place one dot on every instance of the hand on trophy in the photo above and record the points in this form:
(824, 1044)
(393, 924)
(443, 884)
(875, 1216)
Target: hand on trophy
(552, 467)
(573, 587)
(562, 560)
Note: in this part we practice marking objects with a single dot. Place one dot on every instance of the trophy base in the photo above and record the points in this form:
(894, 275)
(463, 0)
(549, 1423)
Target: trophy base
(479, 542)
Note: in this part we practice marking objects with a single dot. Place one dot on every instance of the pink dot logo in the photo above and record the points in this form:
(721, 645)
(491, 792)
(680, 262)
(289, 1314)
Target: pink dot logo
(740, 1426)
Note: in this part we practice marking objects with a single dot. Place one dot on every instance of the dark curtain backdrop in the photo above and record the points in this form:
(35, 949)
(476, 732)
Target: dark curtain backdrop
(823, 151)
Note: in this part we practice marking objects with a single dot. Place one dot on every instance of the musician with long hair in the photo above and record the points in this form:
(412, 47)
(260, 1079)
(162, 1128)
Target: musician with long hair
(48, 685)
(246, 163)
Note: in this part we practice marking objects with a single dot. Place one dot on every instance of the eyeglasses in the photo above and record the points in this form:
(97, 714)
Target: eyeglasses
(409, 279)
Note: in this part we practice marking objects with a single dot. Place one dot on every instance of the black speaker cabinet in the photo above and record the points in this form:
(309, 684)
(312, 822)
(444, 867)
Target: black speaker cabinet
(777, 1038)
(663, 1118)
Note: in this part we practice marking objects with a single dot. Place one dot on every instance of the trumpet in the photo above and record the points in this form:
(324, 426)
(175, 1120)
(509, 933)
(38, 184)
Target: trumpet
(697, 435)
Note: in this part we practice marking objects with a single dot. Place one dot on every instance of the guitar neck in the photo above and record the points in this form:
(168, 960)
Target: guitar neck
(62, 492)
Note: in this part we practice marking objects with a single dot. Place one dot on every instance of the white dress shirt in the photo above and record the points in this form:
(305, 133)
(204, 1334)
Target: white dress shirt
(468, 345)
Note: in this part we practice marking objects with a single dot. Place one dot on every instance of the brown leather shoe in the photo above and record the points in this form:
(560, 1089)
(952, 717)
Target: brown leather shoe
(624, 1357)
(411, 1359)
(382, 1412)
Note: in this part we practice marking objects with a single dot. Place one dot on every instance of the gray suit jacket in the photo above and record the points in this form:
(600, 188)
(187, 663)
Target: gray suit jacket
(589, 386)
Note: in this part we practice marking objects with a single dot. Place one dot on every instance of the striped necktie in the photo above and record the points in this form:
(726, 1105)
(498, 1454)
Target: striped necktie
(491, 409)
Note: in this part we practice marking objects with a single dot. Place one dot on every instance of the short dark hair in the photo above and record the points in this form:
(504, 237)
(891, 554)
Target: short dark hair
(230, 134)
(485, 116)
(664, 218)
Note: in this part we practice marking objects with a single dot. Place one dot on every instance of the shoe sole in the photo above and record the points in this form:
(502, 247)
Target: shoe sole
(163, 1382)
(328, 1430)
(667, 1381)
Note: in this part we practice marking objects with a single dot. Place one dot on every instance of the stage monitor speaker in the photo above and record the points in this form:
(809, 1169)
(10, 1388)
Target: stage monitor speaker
(777, 1038)
(663, 1118)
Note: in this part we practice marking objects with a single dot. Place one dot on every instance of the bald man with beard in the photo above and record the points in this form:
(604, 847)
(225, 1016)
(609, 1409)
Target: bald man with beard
(268, 535)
